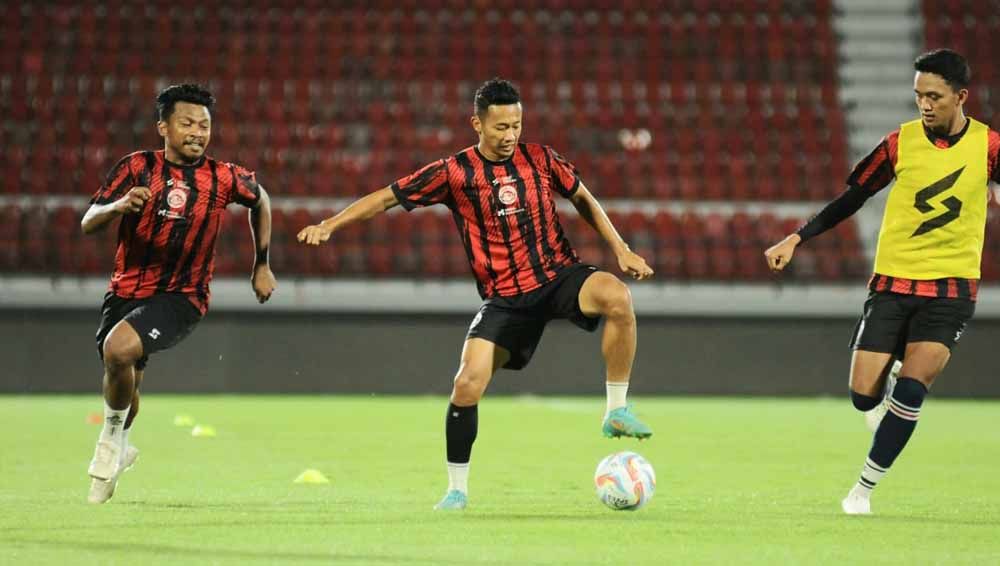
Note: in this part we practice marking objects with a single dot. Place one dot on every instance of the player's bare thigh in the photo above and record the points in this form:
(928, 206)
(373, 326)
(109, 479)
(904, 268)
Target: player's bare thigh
(122, 345)
(480, 360)
(924, 361)
(868, 372)
(603, 294)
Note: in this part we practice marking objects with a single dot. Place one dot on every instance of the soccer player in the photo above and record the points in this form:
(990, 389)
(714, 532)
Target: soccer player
(929, 253)
(171, 204)
(500, 193)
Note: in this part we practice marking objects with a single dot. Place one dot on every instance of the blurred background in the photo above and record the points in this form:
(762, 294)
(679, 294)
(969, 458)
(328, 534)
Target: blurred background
(709, 129)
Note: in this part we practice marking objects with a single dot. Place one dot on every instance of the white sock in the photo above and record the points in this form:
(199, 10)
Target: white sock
(870, 476)
(114, 424)
(617, 391)
(458, 477)
(121, 457)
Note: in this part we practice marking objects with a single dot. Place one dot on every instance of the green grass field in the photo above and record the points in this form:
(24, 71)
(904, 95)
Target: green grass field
(741, 481)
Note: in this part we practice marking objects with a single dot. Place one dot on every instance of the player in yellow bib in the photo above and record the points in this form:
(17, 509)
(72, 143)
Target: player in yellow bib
(923, 291)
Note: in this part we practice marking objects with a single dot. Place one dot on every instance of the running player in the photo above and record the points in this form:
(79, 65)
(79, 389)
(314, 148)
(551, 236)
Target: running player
(171, 204)
(929, 253)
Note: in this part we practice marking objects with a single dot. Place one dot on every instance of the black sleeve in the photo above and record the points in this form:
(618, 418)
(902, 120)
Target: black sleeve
(836, 212)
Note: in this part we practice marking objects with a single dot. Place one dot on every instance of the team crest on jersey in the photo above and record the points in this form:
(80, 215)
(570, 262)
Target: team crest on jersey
(508, 195)
(177, 196)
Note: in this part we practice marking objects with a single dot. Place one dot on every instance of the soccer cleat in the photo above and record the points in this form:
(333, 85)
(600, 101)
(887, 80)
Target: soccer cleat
(129, 458)
(621, 422)
(873, 418)
(101, 491)
(106, 460)
(454, 500)
(856, 503)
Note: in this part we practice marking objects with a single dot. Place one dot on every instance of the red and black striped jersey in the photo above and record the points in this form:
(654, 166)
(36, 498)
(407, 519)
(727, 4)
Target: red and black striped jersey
(878, 169)
(951, 287)
(504, 211)
(169, 246)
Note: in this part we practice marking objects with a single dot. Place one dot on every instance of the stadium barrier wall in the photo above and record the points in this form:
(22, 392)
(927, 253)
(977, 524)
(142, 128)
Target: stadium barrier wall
(54, 351)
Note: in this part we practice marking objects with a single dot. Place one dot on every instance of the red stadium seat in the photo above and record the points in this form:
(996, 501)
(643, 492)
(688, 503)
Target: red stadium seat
(739, 105)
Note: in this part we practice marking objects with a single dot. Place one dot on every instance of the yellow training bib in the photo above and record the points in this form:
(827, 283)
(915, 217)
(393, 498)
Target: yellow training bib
(936, 213)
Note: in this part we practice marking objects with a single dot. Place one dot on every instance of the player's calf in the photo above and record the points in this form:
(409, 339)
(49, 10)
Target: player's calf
(893, 433)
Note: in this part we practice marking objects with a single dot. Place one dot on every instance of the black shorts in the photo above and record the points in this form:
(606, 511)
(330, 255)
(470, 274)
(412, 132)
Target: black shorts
(517, 323)
(161, 321)
(891, 320)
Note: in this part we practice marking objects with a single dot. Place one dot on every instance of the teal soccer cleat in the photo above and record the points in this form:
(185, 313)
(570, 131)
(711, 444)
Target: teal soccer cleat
(454, 500)
(621, 422)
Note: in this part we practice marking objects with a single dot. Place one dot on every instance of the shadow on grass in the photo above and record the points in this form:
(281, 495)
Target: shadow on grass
(903, 519)
(525, 516)
(167, 525)
(201, 554)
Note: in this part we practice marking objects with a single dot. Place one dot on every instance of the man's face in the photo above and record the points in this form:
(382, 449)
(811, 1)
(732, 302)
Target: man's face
(937, 101)
(499, 129)
(187, 131)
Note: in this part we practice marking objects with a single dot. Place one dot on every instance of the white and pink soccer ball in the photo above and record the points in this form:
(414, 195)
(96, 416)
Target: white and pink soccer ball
(625, 481)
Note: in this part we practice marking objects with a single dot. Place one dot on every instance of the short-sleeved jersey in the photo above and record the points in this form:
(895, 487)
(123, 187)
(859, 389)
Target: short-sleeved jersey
(504, 211)
(169, 246)
(879, 169)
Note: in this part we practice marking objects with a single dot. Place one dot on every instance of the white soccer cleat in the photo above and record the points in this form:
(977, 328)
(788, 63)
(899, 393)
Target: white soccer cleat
(873, 418)
(106, 460)
(101, 491)
(856, 503)
(128, 458)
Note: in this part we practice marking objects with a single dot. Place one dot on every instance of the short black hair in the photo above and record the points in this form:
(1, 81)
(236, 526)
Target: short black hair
(188, 92)
(951, 66)
(495, 91)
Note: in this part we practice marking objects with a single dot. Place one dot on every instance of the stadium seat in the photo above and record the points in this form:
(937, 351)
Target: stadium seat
(353, 97)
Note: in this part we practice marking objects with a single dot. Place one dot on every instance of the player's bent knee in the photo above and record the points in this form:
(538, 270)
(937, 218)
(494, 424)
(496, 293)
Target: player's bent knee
(619, 303)
(121, 356)
(469, 387)
(616, 300)
(864, 402)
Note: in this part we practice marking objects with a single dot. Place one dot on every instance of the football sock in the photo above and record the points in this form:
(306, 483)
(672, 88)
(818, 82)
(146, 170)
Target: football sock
(461, 426)
(458, 477)
(617, 390)
(894, 431)
(864, 402)
(114, 422)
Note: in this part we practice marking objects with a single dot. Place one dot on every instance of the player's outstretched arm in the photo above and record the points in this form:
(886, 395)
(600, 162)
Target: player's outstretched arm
(629, 262)
(361, 209)
(262, 279)
(99, 215)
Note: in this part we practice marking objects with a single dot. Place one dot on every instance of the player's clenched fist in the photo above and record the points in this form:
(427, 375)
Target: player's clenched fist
(314, 235)
(779, 255)
(133, 201)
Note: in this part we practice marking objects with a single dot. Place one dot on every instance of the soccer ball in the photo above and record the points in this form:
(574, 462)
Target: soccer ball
(624, 481)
